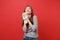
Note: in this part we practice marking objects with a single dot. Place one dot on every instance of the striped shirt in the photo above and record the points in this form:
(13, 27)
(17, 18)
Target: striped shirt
(34, 31)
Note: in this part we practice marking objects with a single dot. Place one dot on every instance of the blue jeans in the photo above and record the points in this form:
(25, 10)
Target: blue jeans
(30, 38)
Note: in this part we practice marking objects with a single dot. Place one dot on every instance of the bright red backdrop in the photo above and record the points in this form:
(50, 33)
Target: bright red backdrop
(47, 11)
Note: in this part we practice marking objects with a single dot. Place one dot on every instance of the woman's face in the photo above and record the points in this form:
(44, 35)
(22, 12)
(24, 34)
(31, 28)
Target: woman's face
(28, 10)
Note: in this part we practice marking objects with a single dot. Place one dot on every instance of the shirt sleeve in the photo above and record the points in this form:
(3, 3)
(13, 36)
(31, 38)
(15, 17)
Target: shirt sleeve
(35, 25)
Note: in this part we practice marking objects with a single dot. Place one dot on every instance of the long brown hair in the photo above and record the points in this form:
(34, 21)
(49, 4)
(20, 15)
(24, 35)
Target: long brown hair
(31, 19)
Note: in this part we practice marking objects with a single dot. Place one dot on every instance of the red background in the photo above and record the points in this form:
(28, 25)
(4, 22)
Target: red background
(47, 11)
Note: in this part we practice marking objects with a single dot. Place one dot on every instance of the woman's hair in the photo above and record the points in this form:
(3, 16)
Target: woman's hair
(31, 19)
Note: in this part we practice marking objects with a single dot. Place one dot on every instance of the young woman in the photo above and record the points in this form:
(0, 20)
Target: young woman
(29, 24)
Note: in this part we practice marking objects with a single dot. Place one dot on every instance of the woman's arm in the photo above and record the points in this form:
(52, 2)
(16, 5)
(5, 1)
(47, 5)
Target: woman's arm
(24, 27)
(34, 26)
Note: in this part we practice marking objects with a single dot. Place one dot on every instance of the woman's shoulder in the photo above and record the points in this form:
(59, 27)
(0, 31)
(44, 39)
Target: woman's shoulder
(34, 16)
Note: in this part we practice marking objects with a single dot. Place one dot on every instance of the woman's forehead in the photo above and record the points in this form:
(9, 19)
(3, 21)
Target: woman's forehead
(28, 7)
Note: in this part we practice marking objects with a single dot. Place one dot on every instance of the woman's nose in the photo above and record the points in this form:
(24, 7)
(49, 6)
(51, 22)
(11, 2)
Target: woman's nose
(28, 11)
